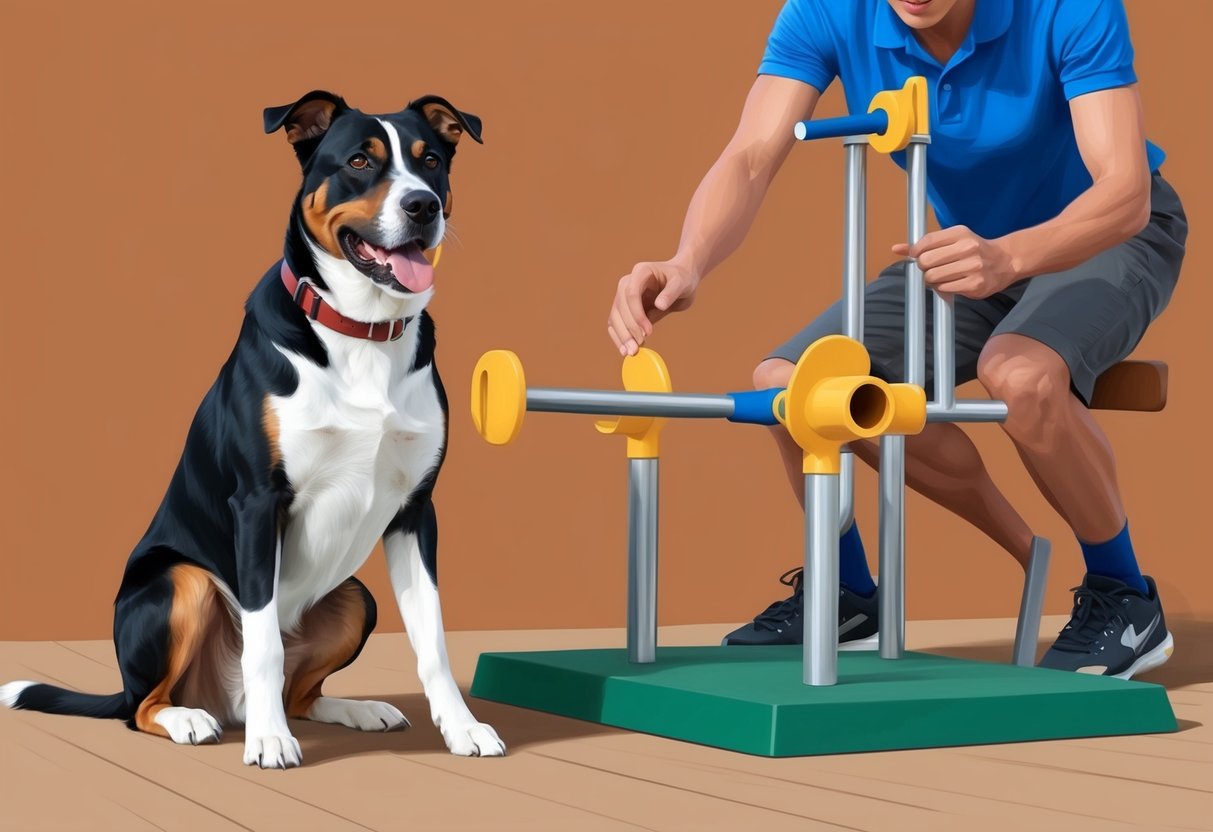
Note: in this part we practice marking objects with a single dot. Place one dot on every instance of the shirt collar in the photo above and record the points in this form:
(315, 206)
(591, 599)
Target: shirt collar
(991, 19)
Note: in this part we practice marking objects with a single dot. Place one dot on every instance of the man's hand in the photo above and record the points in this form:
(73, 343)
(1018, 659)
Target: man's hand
(957, 261)
(645, 296)
(720, 213)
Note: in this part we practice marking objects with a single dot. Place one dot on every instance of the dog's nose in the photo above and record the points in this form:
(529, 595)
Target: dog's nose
(421, 206)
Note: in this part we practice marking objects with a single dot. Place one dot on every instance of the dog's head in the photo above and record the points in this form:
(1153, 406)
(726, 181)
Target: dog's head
(376, 196)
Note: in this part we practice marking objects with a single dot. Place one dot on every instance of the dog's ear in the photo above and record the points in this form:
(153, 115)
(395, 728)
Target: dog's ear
(448, 122)
(306, 120)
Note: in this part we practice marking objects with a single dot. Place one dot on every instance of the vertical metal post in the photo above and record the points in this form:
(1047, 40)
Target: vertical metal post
(892, 448)
(1027, 629)
(916, 341)
(642, 560)
(854, 278)
(945, 351)
(820, 579)
(854, 232)
(890, 587)
(846, 490)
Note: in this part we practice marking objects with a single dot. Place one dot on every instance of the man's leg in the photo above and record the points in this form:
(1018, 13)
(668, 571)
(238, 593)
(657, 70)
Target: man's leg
(1117, 625)
(1064, 449)
(1043, 359)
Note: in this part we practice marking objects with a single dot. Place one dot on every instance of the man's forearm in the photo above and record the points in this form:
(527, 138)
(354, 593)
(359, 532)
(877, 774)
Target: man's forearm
(1109, 212)
(722, 210)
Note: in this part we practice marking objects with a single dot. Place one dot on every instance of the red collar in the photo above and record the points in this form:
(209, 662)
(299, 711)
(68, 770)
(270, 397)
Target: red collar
(308, 299)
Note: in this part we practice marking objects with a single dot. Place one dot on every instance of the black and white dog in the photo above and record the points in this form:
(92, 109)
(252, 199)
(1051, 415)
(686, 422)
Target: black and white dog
(324, 431)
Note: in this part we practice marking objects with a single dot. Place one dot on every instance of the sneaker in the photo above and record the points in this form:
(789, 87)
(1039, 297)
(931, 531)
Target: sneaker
(1114, 630)
(783, 621)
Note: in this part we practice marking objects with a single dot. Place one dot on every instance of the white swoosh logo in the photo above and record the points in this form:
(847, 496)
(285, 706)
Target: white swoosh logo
(1129, 638)
(851, 624)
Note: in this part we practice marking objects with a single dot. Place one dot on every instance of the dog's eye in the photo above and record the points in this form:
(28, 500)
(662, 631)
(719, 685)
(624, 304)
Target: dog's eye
(358, 161)
(431, 160)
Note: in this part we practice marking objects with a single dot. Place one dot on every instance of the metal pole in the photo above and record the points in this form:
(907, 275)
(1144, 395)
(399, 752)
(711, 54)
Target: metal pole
(854, 236)
(1027, 629)
(916, 342)
(846, 490)
(945, 351)
(968, 411)
(890, 585)
(893, 448)
(610, 403)
(820, 579)
(854, 277)
(642, 560)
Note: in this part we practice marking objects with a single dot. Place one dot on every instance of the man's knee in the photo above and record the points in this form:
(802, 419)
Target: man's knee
(1034, 382)
(774, 372)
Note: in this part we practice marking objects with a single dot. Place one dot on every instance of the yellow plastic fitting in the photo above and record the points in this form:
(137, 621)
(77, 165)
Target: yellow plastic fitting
(908, 112)
(435, 256)
(832, 399)
(909, 409)
(644, 372)
(498, 396)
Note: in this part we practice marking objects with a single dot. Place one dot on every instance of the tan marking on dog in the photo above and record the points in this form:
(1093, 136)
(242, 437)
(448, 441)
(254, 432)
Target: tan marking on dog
(446, 204)
(417, 148)
(269, 425)
(443, 121)
(193, 608)
(377, 150)
(328, 635)
(324, 223)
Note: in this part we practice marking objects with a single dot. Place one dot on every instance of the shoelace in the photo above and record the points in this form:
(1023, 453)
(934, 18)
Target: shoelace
(1093, 610)
(781, 612)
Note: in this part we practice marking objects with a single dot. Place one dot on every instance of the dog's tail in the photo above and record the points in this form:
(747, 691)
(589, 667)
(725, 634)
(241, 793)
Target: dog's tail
(33, 696)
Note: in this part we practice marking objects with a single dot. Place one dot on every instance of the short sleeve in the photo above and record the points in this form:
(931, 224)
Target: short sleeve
(800, 46)
(1091, 46)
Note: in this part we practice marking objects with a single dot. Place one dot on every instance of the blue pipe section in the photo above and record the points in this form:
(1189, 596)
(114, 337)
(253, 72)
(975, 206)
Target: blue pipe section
(755, 407)
(833, 128)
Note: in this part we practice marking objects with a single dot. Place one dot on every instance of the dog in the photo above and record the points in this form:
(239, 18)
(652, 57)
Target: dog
(324, 432)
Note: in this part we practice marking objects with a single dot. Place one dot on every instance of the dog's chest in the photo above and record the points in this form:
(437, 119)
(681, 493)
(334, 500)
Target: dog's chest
(356, 438)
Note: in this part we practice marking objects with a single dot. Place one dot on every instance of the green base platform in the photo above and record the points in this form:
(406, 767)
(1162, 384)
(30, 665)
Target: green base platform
(751, 699)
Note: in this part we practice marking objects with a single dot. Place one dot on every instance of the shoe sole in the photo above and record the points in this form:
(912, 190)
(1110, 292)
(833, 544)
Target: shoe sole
(872, 642)
(1148, 661)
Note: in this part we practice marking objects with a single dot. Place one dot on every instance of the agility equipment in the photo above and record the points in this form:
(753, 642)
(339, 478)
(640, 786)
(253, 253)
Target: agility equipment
(779, 701)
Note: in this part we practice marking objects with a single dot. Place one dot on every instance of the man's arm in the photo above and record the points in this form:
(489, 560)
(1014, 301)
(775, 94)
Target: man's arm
(721, 211)
(1111, 139)
(728, 198)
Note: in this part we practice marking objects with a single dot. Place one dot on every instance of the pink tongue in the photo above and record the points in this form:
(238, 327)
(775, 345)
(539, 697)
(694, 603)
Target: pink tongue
(411, 268)
(408, 264)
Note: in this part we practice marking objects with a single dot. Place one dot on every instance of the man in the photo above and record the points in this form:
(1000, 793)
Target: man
(1060, 242)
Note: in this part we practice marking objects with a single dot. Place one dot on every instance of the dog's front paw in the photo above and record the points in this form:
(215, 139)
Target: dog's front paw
(475, 739)
(189, 725)
(361, 714)
(272, 752)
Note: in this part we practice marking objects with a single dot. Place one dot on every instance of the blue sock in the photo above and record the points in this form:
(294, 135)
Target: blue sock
(853, 564)
(1114, 559)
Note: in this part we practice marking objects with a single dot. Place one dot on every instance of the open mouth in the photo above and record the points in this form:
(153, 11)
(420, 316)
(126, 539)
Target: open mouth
(404, 268)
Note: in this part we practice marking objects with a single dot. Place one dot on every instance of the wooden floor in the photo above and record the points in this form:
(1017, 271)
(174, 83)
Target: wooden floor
(82, 774)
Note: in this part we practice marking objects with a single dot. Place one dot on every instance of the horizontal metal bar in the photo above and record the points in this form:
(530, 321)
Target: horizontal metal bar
(619, 403)
(835, 128)
(973, 410)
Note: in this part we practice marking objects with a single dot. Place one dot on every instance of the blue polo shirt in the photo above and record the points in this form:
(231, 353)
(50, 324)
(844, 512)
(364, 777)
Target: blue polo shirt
(1003, 154)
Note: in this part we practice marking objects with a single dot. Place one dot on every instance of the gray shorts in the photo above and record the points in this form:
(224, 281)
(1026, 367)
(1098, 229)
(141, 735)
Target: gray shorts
(1092, 315)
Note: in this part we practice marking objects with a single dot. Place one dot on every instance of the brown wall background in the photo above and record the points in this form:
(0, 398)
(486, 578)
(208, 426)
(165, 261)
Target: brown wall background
(141, 203)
